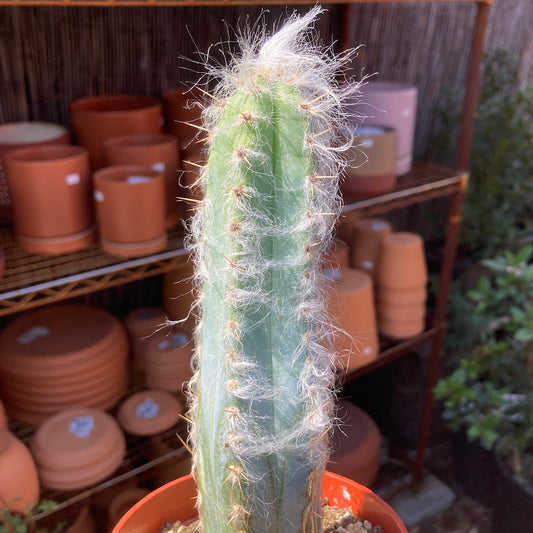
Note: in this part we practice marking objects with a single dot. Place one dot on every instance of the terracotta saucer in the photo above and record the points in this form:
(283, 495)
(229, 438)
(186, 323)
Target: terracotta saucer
(149, 412)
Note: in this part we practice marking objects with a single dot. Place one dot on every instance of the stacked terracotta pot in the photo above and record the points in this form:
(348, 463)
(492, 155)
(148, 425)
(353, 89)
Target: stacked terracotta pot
(168, 361)
(149, 412)
(401, 285)
(351, 308)
(77, 448)
(62, 356)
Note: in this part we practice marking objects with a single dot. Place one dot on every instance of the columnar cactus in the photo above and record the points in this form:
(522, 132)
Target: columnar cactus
(261, 395)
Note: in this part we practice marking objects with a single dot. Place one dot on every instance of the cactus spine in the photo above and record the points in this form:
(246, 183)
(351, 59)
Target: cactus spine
(261, 394)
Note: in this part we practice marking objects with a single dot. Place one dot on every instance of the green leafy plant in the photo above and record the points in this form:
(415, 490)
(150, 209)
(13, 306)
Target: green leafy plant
(11, 522)
(261, 394)
(490, 393)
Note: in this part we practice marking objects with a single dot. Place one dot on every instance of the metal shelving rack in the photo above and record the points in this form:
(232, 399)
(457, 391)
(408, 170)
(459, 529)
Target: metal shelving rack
(32, 281)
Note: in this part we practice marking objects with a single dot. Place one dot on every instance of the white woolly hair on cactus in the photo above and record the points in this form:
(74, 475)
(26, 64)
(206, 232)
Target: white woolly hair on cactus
(261, 400)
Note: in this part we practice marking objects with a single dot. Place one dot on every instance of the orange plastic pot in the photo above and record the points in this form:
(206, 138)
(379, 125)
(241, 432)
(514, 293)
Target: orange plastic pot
(176, 501)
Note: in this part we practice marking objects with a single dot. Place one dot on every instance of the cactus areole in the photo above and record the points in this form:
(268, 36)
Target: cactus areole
(261, 398)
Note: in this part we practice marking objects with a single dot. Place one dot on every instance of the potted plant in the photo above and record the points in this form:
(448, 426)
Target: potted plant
(490, 395)
(261, 397)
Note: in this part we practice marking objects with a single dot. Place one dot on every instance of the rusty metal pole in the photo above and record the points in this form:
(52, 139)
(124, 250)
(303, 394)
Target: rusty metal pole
(462, 158)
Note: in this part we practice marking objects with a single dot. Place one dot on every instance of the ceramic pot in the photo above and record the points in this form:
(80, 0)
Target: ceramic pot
(122, 503)
(130, 209)
(356, 445)
(178, 295)
(59, 356)
(183, 107)
(337, 255)
(371, 159)
(392, 104)
(160, 153)
(141, 324)
(513, 498)
(168, 361)
(19, 483)
(77, 448)
(402, 262)
(51, 198)
(401, 297)
(16, 135)
(400, 329)
(149, 412)
(95, 119)
(367, 236)
(176, 501)
(351, 306)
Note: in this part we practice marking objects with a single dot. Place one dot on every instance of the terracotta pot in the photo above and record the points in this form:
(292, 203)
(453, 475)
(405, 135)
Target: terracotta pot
(176, 501)
(141, 324)
(356, 445)
(95, 119)
(77, 448)
(149, 412)
(402, 262)
(19, 484)
(337, 256)
(368, 234)
(371, 166)
(183, 106)
(351, 307)
(160, 153)
(400, 329)
(130, 208)
(401, 297)
(59, 356)
(122, 503)
(416, 312)
(392, 104)
(51, 198)
(178, 295)
(168, 361)
(16, 135)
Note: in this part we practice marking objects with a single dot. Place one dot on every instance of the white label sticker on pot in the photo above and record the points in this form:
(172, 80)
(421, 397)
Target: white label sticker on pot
(99, 196)
(333, 274)
(138, 179)
(81, 426)
(163, 345)
(368, 264)
(367, 143)
(32, 334)
(159, 167)
(147, 409)
(179, 339)
(378, 226)
(406, 112)
(367, 350)
(72, 179)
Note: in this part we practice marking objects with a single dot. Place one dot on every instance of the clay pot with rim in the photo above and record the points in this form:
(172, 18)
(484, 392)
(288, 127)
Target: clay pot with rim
(158, 152)
(149, 412)
(371, 168)
(96, 119)
(19, 483)
(356, 445)
(176, 501)
(351, 307)
(393, 104)
(50, 191)
(77, 448)
(130, 210)
(367, 236)
(14, 135)
(183, 107)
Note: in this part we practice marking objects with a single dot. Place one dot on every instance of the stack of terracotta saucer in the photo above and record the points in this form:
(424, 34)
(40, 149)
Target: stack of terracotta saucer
(149, 412)
(77, 448)
(168, 361)
(401, 285)
(59, 357)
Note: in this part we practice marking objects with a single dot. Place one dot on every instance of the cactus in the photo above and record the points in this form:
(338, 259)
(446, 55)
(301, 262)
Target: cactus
(262, 390)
